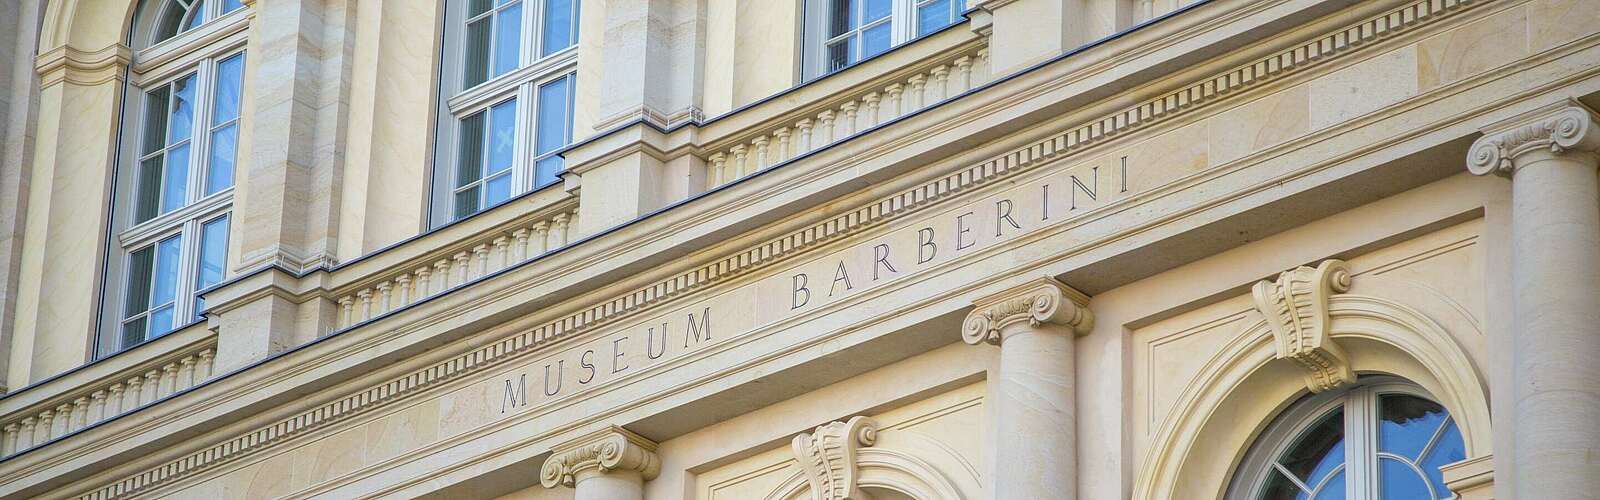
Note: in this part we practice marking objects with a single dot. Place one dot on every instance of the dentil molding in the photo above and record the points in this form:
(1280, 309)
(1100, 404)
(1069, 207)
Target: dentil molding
(828, 457)
(1037, 302)
(1559, 128)
(1296, 309)
(600, 452)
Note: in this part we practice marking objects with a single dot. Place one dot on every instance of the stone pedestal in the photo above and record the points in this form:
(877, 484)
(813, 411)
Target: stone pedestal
(1035, 326)
(610, 464)
(1550, 155)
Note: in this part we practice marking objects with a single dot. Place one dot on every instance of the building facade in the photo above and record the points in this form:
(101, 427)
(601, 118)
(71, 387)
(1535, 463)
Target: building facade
(800, 249)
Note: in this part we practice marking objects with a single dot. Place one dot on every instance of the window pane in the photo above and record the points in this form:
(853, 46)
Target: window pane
(1406, 423)
(175, 180)
(182, 109)
(133, 332)
(875, 10)
(560, 31)
(1399, 481)
(226, 107)
(155, 116)
(548, 170)
(502, 136)
(839, 17)
(140, 264)
(475, 64)
(196, 16)
(172, 17)
(554, 120)
(165, 277)
(507, 39)
(497, 190)
(467, 202)
(213, 256)
(1448, 449)
(1279, 487)
(147, 200)
(219, 172)
(839, 54)
(231, 5)
(1333, 488)
(469, 165)
(160, 322)
(933, 15)
(1319, 450)
(875, 40)
(476, 7)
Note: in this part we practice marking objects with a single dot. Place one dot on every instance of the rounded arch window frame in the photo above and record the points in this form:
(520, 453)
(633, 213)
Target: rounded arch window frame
(1282, 433)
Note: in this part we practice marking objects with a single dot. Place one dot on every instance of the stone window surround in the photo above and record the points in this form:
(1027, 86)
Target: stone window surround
(903, 30)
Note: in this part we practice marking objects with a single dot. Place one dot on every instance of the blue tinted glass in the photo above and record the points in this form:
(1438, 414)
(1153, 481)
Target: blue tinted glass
(497, 190)
(175, 179)
(219, 172)
(166, 271)
(554, 121)
(1448, 449)
(875, 10)
(1399, 481)
(1333, 489)
(547, 170)
(1318, 451)
(559, 30)
(231, 5)
(182, 120)
(875, 40)
(502, 135)
(1406, 423)
(213, 252)
(160, 321)
(507, 39)
(932, 16)
(229, 73)
(196, 15)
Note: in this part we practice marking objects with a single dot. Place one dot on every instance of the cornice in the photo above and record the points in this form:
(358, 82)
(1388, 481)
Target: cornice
(1035, 303)
(609, 449)
(1336, 45)
(65, 63)
(1562, 127)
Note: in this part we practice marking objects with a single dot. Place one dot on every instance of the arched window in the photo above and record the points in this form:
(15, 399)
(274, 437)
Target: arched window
(1384, 439)
(507, 87)
(175, 167)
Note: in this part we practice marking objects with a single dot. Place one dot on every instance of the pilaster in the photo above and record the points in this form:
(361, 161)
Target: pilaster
(1026, 32)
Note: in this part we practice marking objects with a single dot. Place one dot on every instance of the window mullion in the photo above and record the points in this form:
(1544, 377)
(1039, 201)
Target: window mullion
(1361, 440)
(200, 130)
(522, 175)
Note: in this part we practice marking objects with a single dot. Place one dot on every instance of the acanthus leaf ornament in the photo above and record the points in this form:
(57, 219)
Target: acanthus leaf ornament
(1296, 309)
(828, 457)
(1044, 300)
(609, 449)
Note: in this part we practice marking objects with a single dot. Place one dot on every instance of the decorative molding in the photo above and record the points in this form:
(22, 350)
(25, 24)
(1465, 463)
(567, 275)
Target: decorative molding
(1040, 301)
(68, 64)
(1296, 309)
(1470, 475)
(828, 457)
(1316, 52)
(1558, 128)
(601, 452)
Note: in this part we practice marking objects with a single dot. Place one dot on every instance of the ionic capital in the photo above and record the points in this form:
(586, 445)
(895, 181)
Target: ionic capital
(1296, 309)
(1034, 303)
(1560, 128)
(600, 452)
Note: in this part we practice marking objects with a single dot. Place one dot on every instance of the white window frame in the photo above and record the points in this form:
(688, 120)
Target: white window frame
(522, 84)
(902, 18)
(197, 52)
(1360, 439)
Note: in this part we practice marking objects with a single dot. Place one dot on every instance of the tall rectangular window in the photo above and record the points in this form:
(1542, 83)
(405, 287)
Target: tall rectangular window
(840, 33)
(503, 126)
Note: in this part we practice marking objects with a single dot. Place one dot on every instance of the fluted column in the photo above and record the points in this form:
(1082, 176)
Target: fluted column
(1550, 155)
(610, 464)
(1035, 325)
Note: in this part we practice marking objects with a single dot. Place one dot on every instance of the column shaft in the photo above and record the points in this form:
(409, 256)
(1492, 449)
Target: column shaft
(614, 485)
(1036, 430)
(1556, 278)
